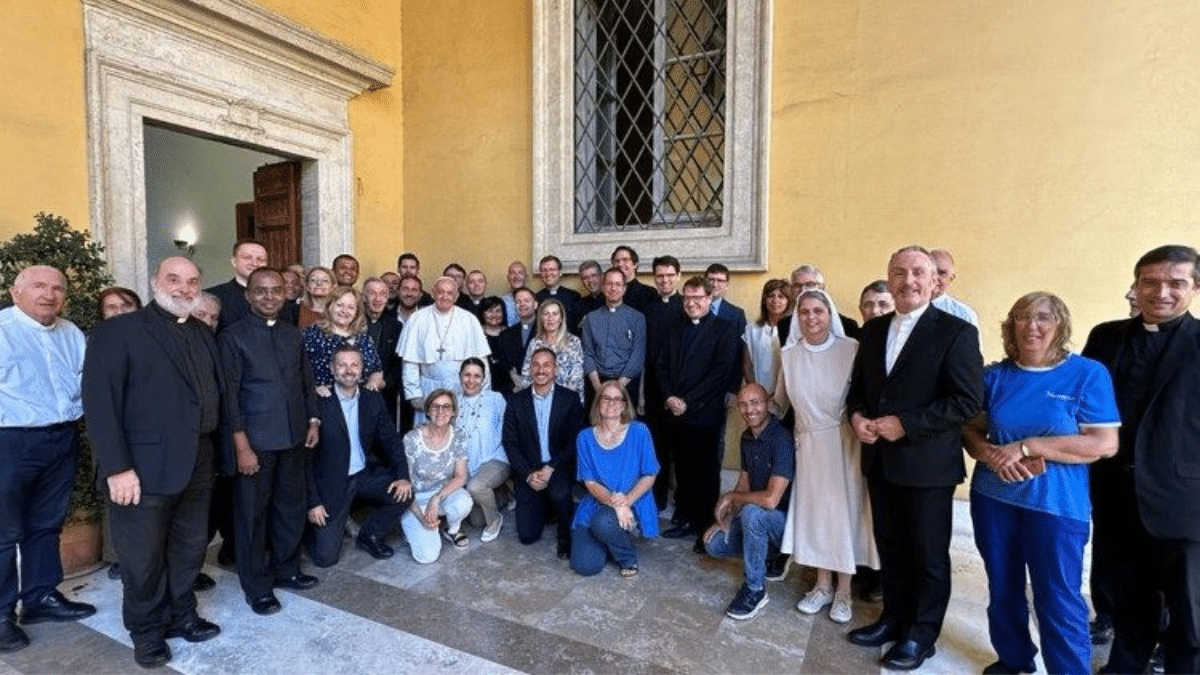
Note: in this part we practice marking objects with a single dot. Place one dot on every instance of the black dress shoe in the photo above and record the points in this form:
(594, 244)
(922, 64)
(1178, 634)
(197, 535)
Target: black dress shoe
(12, 637)
(152, 653)
(265, 604)
(698, 547)
(374, 546)
(203, 582)
(299, 582)
(679, 531)
(54, 607)
(114, 571)
(906, 655)
(196, 630)
(873, 634)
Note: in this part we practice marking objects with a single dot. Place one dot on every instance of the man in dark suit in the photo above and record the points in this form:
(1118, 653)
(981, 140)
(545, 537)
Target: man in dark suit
(540, 426)
(248, 255)
(916, 380)
(1146, 514)
(637, 295)
(151, 396)
(693, 376)
(271, 412)
(384, 328)
(661, 316)
(360, 455)
(514, 340)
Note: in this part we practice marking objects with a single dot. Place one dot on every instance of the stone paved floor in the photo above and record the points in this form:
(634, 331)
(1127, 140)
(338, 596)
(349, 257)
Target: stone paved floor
(503, 607)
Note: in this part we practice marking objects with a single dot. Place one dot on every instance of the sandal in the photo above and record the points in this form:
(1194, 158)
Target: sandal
(459, 539)
(629, 572)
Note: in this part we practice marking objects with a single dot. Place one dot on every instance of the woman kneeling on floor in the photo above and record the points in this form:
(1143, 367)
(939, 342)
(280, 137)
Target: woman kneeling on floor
(617, 466)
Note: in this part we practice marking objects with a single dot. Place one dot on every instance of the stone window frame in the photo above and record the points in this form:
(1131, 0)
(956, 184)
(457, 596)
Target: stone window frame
(741, 240)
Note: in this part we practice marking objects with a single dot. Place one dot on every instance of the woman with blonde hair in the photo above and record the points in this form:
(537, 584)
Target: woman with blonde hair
(318, 283)
(343, 323)
(552, 334)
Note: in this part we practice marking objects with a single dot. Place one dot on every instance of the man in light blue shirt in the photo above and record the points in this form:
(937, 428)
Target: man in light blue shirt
(41, 358)
(613, 341)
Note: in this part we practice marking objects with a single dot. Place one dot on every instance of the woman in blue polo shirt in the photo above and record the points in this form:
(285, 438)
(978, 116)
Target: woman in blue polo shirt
(1048, 413)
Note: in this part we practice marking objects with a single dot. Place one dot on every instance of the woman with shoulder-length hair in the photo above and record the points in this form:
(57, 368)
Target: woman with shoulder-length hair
(617, 465)
(1047, 414)
(760, 359)
(318, 283)
(343, 323)
(437, 464)
(552, 334)
(117, 300)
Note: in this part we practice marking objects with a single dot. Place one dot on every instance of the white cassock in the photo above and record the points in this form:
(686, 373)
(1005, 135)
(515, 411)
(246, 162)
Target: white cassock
(433, 346)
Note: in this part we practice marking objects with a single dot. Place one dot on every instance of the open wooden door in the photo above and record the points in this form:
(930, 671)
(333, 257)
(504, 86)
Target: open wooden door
(277, 212)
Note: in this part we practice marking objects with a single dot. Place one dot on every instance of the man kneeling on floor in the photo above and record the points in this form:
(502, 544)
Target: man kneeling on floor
(750, 518)
(356, 433)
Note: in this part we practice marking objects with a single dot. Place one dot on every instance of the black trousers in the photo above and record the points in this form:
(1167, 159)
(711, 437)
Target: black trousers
(270, 511)
(696, 452)
(912, 530)
(36, 473)
(532, 505)
(658, 424)
(1143, 572)
(324, 544)
(161, 542)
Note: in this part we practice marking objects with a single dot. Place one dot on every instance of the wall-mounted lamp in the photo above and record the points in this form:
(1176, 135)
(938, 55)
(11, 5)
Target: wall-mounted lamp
(184, 247)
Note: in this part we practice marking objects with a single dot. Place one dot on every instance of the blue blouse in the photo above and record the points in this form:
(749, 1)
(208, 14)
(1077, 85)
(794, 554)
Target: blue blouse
(1056, 401)
(618, 469)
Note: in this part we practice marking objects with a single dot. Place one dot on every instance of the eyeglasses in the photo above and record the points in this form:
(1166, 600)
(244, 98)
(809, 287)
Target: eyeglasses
(612, 399)
(442, 407)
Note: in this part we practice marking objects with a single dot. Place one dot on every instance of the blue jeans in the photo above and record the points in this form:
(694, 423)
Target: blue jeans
(1012, 539)
(592, 545)
(752, 535)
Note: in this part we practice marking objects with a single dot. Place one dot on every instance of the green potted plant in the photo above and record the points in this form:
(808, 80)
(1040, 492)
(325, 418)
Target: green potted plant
(53, 242)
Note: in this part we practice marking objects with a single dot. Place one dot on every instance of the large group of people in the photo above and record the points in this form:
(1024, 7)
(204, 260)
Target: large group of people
(276, 407)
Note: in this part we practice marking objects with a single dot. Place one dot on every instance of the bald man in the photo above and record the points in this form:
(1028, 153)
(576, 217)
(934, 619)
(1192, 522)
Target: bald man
(41, 354)
(151, 393)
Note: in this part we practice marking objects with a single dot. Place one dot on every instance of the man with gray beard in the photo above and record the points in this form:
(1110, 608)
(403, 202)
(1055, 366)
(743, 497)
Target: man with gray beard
(151, 396)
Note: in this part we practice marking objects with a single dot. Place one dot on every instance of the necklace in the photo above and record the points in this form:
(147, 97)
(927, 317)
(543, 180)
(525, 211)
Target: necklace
(441, 350)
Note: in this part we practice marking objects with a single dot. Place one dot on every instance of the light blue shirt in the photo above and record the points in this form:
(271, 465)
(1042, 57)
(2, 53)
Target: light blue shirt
(358, 458)
(541, 409)
(41, 369)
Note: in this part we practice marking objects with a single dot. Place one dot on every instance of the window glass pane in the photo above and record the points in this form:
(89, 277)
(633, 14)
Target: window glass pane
(649, 113)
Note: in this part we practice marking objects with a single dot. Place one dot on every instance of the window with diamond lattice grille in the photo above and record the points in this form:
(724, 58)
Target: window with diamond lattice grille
(649, 114)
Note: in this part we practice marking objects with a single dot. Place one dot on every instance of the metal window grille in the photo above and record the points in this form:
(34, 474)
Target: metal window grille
(649, 114)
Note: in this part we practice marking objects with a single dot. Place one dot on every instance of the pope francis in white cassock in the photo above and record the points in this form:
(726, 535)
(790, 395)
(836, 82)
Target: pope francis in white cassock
(434, 343)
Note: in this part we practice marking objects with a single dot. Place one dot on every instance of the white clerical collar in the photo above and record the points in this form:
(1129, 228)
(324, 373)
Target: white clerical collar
(613, 308)
(913, 315)
(1150, 327)
(271, 322)
(181, 319)
(696, 322)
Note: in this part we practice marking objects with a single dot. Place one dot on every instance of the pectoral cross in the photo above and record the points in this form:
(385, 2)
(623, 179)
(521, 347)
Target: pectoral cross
(441, 352)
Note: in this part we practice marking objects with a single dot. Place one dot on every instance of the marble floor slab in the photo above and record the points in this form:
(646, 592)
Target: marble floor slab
(502, 607)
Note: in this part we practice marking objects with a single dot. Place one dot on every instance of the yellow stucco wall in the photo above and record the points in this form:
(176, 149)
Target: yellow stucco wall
(43, 153)
(468, 140)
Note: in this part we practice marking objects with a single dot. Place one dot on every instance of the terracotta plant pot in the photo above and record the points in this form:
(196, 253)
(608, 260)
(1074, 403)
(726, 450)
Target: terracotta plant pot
(79, 548)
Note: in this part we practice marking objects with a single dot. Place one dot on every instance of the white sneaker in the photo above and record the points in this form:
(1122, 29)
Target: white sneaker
(492, 531)
(815, 600)
(840, 611)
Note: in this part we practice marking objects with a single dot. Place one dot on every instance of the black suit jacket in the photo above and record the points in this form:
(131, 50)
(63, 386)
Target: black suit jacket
(510, 354)
(934, 388)
(701, 375)
(271, 389)
(386, 334)
(233, 303)
(1165, 452)
(330, 464)
(520, 434)
(142, 407)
